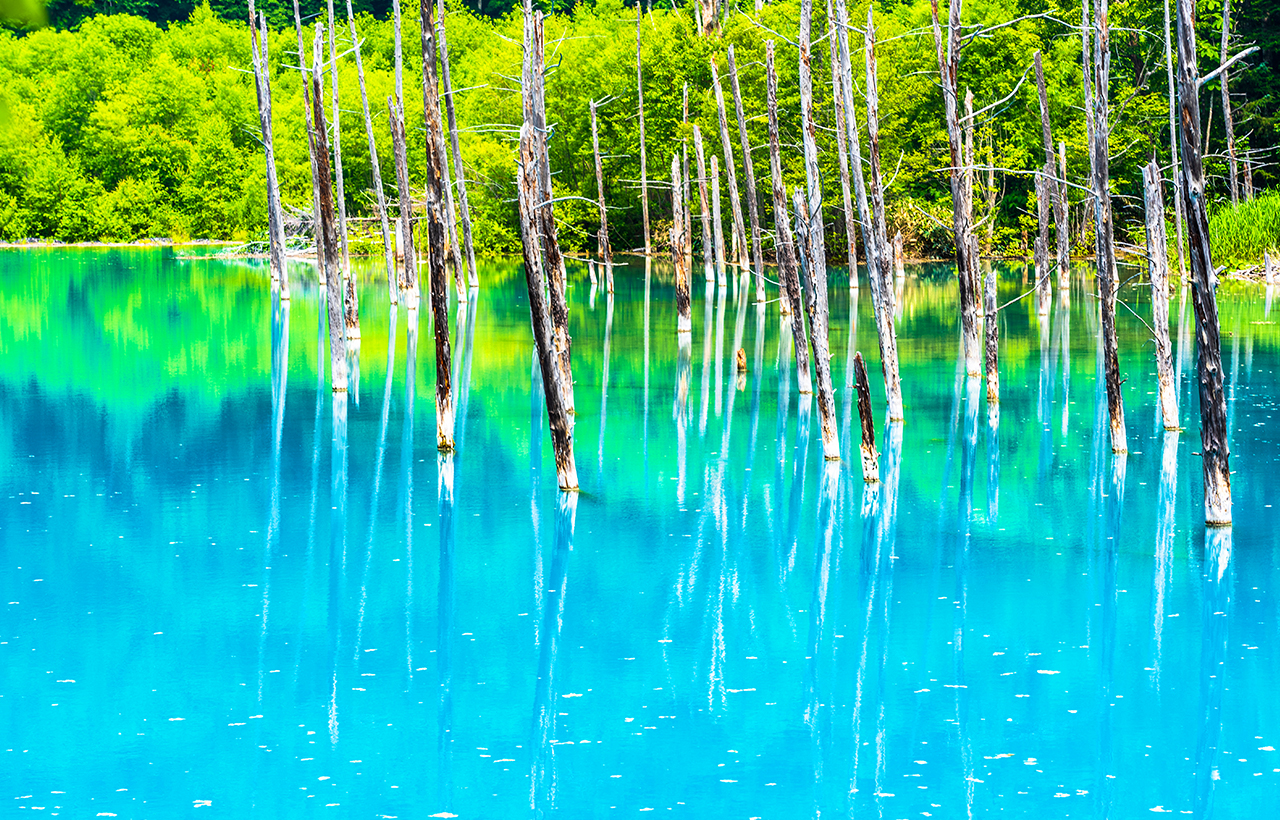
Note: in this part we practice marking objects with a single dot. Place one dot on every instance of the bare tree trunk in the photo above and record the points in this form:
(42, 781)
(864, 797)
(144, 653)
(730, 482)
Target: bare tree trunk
(606, 253)
(1090, 114)
(708, 237)
(353, 312)
(437, 180)
(870, 458)
(882, 274)
(1106, 263)
(404, 193)
(899, 257)
(380, 199)
(785, 245)
(1063, 220)
(1213, 407)
(684, 319)
(735, 201)
(459, 173)
(1044, 278)
(311, 149)
(961, 207)
(748, 170)
(644, 173)
(1158, 260)
(275, 213)
(1046, 199)
(810, 239)
(870, 251)
(717, 224)
(1227, 121)
(326, 227)
(1175, 152)
(684, 171)
(993, 342)
(842, 148)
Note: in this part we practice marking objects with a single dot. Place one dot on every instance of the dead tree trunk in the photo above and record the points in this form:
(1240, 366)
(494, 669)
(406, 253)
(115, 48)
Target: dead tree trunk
(1175, 153)
(870, 251)
(961, 207)
(1044, 278)
(717, 224)
(311, 149)
(644, 173)
(1227, 121)
(380, 199)
(606, 253)
(870, 457)
(1158, 261)
(1213, 407)
(275, 213)
(899, 257)
(842, 148)
(993, 340)
(811, 240)
(1106, 262)
(710, 23)
(883, 272)
(735, 201)
(404, 193)
(353, 311)
(708, 238)
(684, 318)
(1063, 220)
(785, 245)
(459, 172)
(326, 227)
(684, 172)
(748, 170)
(1057, 187)
(437, 180)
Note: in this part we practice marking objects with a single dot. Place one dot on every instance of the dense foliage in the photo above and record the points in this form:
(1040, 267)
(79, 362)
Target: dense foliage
(122, 128)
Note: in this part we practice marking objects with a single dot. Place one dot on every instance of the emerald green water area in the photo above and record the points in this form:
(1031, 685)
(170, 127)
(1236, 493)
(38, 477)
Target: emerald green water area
(224, 589)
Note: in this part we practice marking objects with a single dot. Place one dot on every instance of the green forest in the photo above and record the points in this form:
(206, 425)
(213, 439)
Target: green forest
(137, 119)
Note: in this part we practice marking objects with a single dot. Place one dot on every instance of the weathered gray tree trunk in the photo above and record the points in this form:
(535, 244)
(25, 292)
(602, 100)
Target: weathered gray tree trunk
(380, 199)
(1047, 198)
(748, 171)
(1158, 262)
(735, 201)
(811, 240)
(409, 280)
(459, 172)
(717, 224)
(870, 458)
(993, 340)
(602, 238)
(1213, 406)
(1057, 186)
(326, 225)
(710, 23)
(353, 311)
(842, 148)
(1227, 120)
(899, 257)
(311, 149)
(1106, 261)
(644, 170)
(854, 144)
(961, 206)
(708, 237)
(883, 272)
(1175, 154)
(437, 181)
(785, 245)
(679, 225)
(1063, 220)
(684, 172)
(1044, 278)
(275, 213)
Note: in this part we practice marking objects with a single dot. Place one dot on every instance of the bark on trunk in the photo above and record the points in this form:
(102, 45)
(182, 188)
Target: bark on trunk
(1227, 121)
(1063, 221)
(842, 148)
(644, 173)
(870, 458)
(459, 172)
(1056, 187)
(870, 251)
(748, 171)
(311, 148)
(326, 226)
(717, 224)
(1175, 153)
(708, 237)
(815, 304)
(602, 238)
(409, 280)
(1044, 278)
(684, 171)
(1213, 408)
(1106, 260)
(1158, 261)
(899, 257)
(993, 341)
(684, 318)
(785, 245)
(275, 213)
(353, 314)
(735, 201)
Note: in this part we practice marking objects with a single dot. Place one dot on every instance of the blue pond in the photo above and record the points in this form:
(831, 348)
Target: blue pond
(225, 591)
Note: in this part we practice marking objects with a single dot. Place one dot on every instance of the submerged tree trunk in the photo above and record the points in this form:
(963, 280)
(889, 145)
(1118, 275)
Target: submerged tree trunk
(1158, 261)
(735, 201)
(1175, 153)
(404, 193)
(1106, 262)
(1044, 278)
(327, 228)
(311, 148)
(353, 315)
(602, 238)
(748, 170)
(1213, 407)
(1056, 188)
(785, 245)
(275, 213)
(870, 458)
(684, 319)
(437, 180)
(993, 341)
(842, 147)
(459, 173)
(1227, 120)
(1063, 221)
(717, 224)
(644, 173)
(708, 237)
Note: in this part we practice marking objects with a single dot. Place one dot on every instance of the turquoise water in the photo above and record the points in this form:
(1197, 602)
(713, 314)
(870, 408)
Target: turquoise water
(224, 589)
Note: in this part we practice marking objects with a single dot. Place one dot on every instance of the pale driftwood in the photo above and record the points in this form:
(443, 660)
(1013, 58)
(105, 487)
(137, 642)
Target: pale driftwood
(1213, 407)
(961, 206)
(748, 171)
(717, 225)
(842, 148)
(311, 148)
(1227, 120)
(735, 201)
(708, 237)
(459, 172)
(404, 233)
(815, 307)
(437, 181)
(380, 198)
(870, 457)
(353, 311)
(327, 228)
(1175, 154)
(644, 170)
(679, 226)
(275, 212)
(602, 238)
(1158, 265)
(883, 272)
(1106, 259)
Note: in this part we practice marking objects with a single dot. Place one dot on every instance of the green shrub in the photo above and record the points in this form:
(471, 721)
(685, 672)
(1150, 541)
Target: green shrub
(1238, 234)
